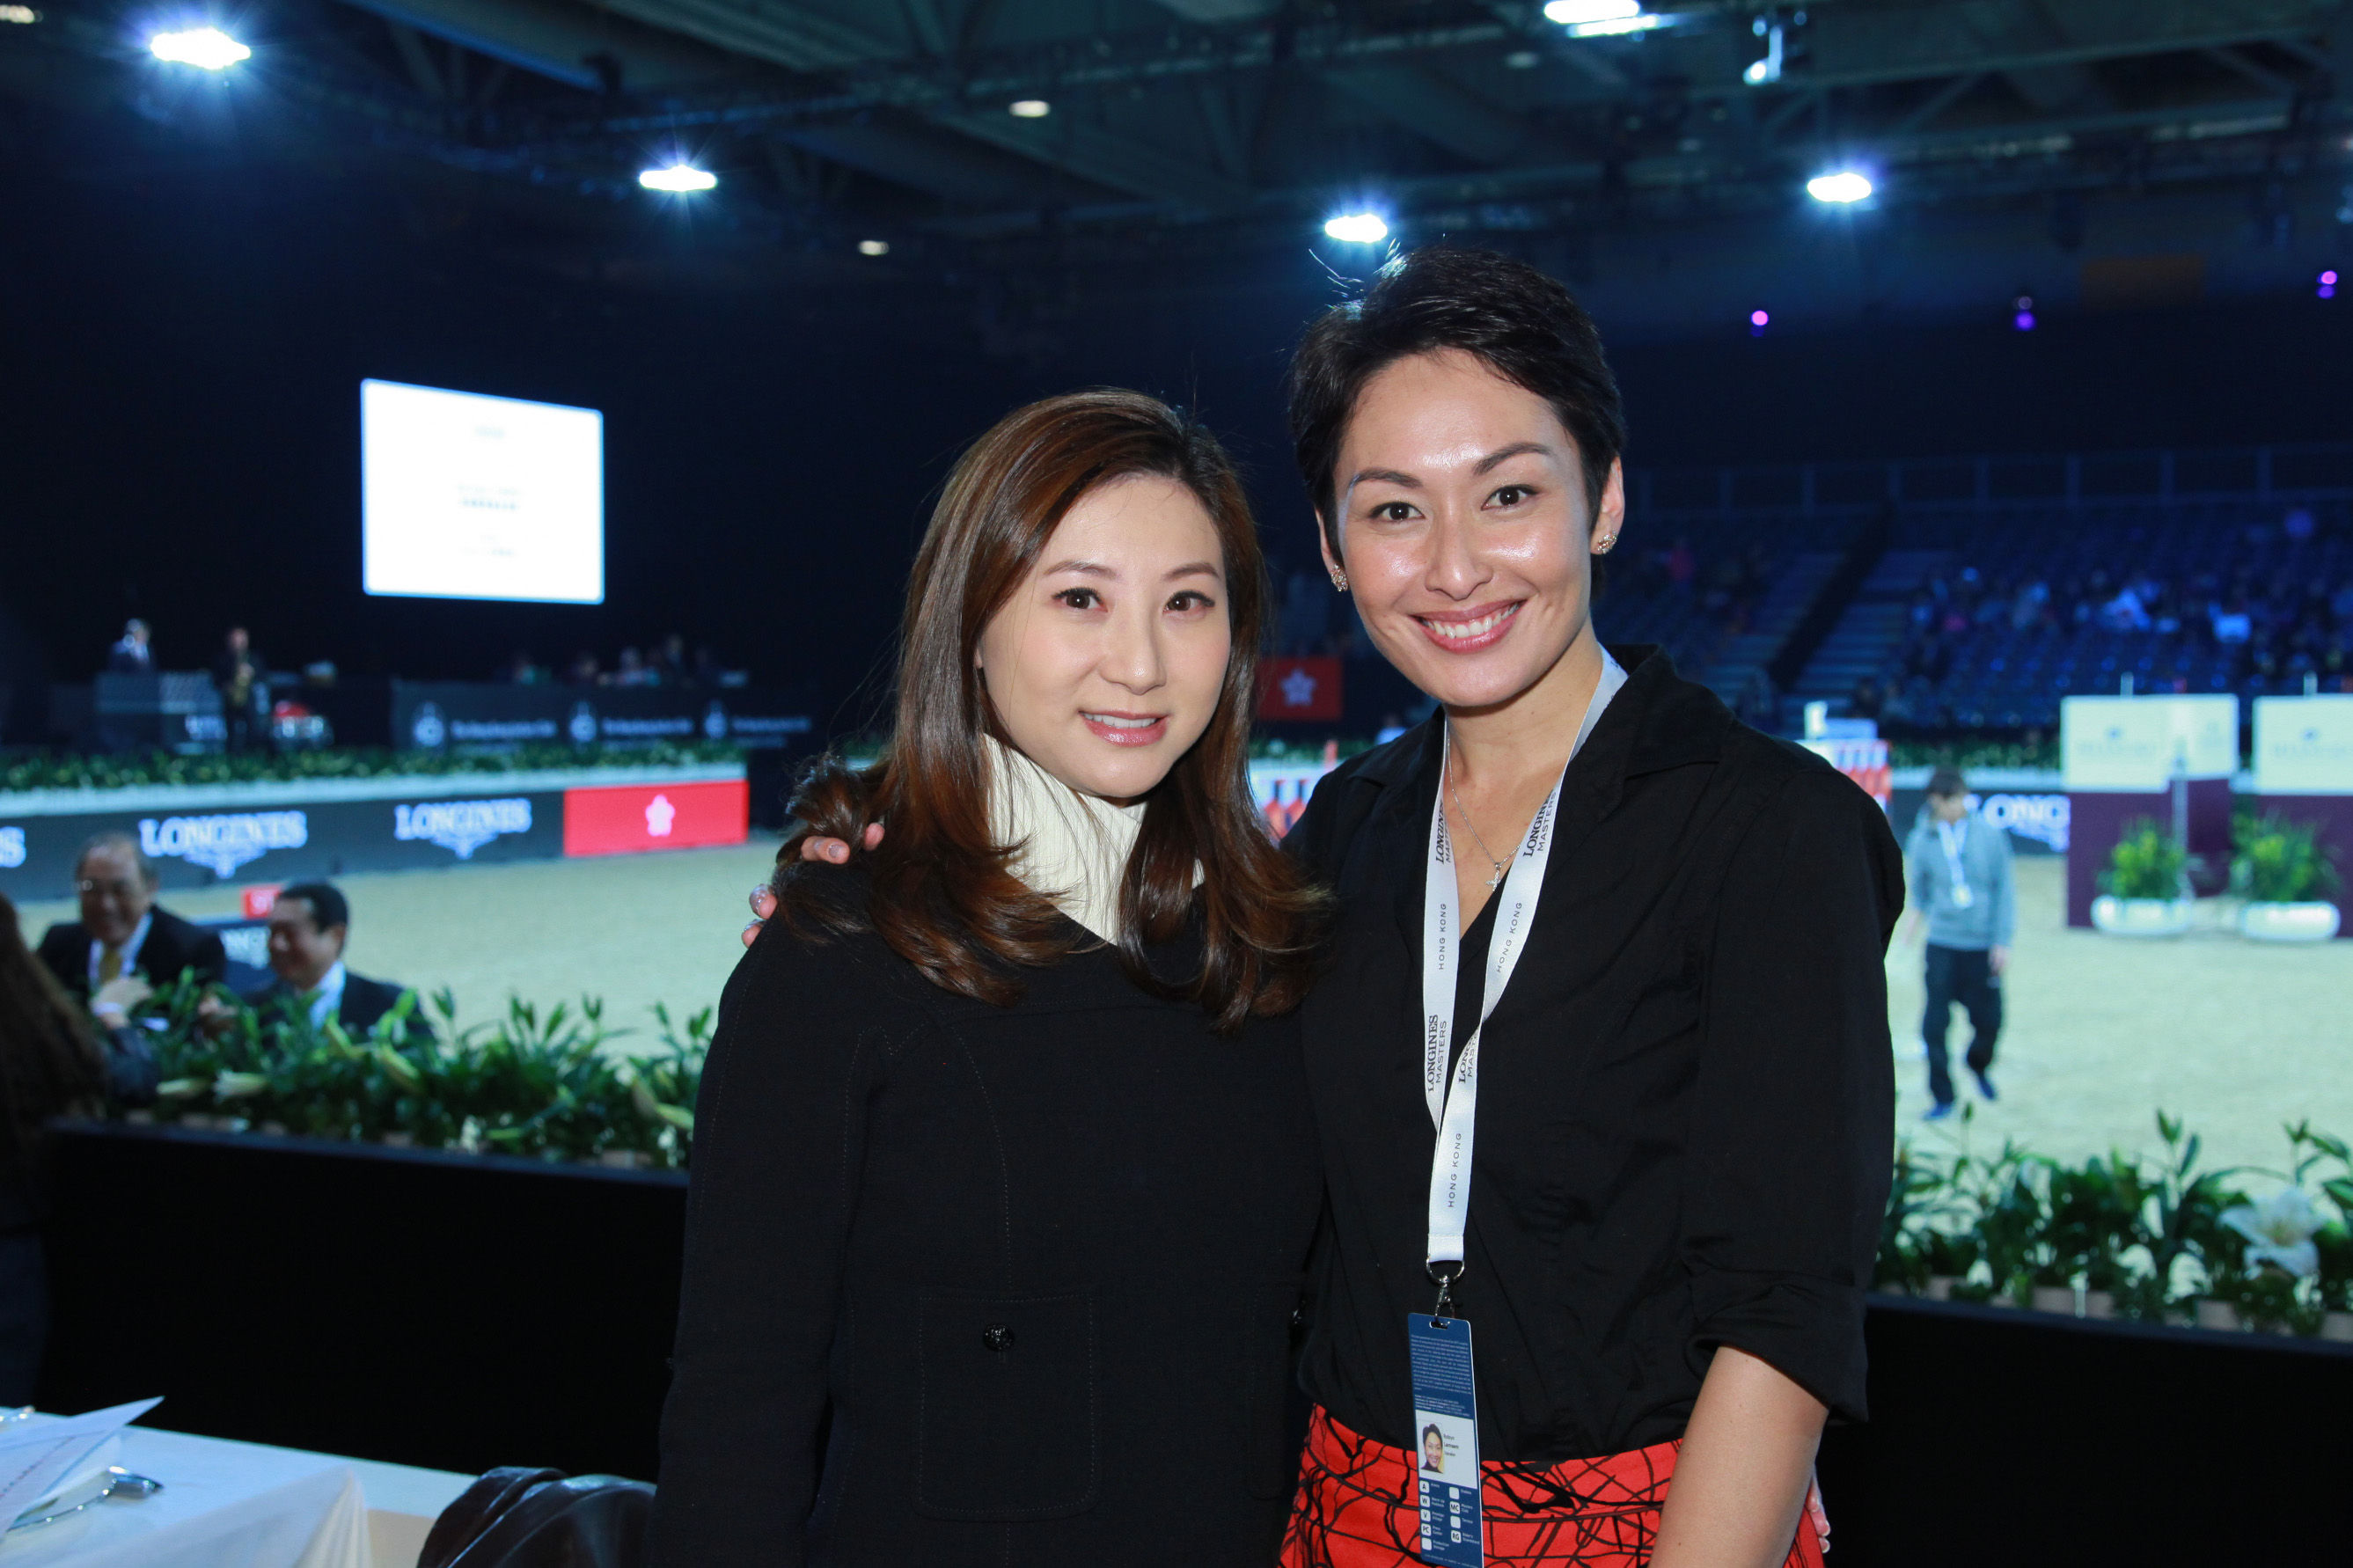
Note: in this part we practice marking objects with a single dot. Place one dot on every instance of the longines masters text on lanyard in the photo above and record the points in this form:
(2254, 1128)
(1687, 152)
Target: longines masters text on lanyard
(1445, 1402)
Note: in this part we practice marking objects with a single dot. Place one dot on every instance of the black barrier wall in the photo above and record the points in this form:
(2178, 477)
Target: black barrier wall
(462, 1311)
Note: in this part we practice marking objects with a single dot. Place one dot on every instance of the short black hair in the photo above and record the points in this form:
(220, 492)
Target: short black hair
(1947, 783)
(1523, 325)
(328, 905)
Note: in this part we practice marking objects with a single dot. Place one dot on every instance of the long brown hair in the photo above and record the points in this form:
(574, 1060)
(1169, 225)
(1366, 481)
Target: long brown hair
(49, 1065)
(944, 895)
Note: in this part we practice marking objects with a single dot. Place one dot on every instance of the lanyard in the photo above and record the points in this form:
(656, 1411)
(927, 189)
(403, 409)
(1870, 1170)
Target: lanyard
(1453, 1105)
(1950, 834)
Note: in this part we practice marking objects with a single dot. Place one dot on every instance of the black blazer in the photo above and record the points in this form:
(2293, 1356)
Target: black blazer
(364, 1002)
(1686, 1102)
(173, 944)
(969, 1285)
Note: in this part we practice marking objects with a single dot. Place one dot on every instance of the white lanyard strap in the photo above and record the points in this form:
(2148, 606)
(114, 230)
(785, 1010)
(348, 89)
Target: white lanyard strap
(1951, 833)
(1453, 1105)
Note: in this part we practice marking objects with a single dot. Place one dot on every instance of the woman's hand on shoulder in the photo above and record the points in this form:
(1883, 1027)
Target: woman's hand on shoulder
(831, 851)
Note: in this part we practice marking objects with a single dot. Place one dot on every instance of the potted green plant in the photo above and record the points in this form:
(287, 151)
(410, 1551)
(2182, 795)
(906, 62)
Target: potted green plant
(2280, 868)
(2145, 890)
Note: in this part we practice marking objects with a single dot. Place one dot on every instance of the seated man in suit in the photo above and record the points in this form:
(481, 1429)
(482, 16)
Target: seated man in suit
(121, 932)
(308, 926)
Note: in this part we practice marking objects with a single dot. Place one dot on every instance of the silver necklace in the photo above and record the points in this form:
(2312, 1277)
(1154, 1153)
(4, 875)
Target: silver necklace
(1463, 811)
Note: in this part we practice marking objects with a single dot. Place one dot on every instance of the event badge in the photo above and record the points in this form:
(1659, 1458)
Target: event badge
(1445, 1441)
(1963, 898)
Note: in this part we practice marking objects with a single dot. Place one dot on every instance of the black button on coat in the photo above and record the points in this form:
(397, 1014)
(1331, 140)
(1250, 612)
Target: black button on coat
(971, 1285)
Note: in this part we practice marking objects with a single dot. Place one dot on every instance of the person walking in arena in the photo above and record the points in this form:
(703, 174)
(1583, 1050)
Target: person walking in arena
(1633, 945)
(1004, 1181)
(1964, 893)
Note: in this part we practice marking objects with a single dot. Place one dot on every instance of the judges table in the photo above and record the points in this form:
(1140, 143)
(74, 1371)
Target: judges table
(243, 1505)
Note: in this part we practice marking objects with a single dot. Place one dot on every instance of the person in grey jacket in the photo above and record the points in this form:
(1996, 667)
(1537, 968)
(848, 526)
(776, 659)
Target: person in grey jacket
(1958, 868)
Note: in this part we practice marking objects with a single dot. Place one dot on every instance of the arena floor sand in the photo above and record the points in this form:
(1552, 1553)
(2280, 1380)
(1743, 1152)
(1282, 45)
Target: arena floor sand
(2236, 1037)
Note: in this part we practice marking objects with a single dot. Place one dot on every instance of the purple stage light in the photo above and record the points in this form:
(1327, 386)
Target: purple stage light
(2328, 284)
(2024, 321)
(1758, 321)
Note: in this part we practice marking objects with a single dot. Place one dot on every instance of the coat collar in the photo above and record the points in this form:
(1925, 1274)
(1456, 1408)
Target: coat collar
(1657, 720)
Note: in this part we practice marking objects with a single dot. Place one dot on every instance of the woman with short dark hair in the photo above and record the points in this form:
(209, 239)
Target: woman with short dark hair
(1631, 945)
(1004, 1182)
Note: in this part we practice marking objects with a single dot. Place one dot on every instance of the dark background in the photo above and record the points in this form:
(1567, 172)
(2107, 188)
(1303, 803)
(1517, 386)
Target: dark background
(183, 330)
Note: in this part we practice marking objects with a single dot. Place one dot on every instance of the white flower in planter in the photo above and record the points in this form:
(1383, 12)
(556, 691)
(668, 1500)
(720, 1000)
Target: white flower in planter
(2279, 1230)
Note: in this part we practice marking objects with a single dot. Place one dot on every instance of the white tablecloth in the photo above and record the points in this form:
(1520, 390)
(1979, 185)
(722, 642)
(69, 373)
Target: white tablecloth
(223, 1505)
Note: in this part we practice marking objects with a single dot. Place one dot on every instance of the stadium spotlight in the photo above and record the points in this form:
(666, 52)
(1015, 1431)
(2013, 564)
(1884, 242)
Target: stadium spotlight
(678, 179)
(1757, 321)
(2024, 319)
(1601, 18)
(206, 49)
(1841, 189)
(1768, 70)
(1030, 108)
(1358, 229)
(874, 248)
(2328, 289)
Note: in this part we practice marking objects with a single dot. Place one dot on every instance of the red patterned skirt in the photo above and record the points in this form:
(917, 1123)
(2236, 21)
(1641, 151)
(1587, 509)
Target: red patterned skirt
(1355, 1508)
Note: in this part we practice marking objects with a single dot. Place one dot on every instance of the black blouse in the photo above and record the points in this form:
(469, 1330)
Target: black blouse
(972, 1285)
(1686, 1098)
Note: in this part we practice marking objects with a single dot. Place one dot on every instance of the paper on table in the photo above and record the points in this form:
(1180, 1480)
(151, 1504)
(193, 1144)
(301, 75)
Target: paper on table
(36, 1456)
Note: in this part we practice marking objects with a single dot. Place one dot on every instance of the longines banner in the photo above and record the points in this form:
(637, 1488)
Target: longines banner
(282, 842)
(439, 716)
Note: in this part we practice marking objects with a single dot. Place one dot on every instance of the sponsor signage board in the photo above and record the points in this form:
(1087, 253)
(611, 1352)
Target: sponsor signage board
(2304, 745)
(286, 842)
(2036, 821)
(629, 819)
(467, 716)
(2132, 745)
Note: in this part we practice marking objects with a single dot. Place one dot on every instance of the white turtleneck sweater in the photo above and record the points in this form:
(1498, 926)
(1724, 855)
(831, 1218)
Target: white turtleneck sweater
(1069, 846)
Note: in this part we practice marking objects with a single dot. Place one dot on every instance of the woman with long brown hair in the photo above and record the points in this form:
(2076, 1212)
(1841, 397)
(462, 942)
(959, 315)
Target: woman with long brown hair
(1003, 1181)
(53, 1062)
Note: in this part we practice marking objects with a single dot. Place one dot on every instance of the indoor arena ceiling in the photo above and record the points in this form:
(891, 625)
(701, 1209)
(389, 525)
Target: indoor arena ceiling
(1088, 123)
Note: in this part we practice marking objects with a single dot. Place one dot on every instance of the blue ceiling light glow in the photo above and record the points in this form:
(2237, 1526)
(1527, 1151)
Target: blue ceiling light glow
(1602, 18)
(1767, 70)
(1842, 188)
(206, 49)
(678, 179)
(1358, 229)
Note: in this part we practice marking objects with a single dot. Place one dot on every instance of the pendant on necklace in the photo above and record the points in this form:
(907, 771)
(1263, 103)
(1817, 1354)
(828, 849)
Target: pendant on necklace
(1496, 880)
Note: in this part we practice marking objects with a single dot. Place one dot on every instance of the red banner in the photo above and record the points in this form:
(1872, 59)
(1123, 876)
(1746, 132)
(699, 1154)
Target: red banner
(629, 819)
(1305, 688)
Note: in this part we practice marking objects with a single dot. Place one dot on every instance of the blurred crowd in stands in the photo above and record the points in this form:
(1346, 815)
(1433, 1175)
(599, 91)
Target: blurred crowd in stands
(2030, 609)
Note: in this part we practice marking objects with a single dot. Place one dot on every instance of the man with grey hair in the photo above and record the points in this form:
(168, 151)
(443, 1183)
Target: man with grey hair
(1958, 867)
(121, 932)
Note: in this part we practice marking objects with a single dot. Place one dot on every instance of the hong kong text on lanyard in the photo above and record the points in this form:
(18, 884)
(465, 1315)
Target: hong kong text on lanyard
(1453, 1100)
(1445, 1402)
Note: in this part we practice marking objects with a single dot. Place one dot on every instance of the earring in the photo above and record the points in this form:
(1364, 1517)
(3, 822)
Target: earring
(1603, 545)
(1340, 582)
